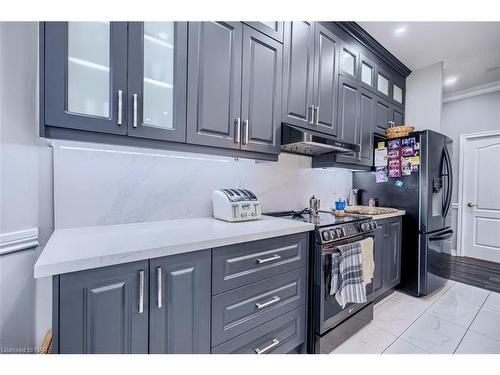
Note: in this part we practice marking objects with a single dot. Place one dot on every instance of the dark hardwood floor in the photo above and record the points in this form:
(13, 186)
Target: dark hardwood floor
(476, 272)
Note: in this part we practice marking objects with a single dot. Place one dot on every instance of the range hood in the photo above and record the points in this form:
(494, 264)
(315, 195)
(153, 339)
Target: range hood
(309, 142)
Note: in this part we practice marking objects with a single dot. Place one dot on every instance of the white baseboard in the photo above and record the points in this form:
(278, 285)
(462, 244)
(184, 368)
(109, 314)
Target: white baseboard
(17, 241)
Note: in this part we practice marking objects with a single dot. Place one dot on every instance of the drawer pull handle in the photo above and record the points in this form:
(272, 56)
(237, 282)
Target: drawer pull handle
(272, 301)
(141, 291)
(270, 259)
(275, 343)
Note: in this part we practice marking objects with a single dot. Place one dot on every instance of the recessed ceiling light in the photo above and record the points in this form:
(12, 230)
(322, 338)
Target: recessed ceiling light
(493, 68)
(450, 81)
(400, 31)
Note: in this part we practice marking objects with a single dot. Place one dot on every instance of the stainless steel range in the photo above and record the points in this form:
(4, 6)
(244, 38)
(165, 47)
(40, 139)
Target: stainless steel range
(329, 324)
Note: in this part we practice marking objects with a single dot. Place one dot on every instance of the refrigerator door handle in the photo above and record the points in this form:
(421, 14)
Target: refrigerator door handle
(449, 182)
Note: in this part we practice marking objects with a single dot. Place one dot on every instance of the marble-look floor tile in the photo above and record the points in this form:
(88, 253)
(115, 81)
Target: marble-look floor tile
(493, 302)
(434, 335)
(459, 304)
(418, 303)
(394, 317)
(487, 322)
(369, 340)
(381, 302)
(401, 346)
(475, 343)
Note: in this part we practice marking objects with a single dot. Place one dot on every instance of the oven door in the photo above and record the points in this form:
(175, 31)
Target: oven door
(330, 313)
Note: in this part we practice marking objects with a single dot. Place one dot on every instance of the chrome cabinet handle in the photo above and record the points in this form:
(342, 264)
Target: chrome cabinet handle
(311, 117)
(270, 259)
(272, 301)
(237, 133)
(120, 108)
(159, 288)
(359, 152)
(134, 121)
(317, 116)
(245, 133)
(275, 343)
(141, 291)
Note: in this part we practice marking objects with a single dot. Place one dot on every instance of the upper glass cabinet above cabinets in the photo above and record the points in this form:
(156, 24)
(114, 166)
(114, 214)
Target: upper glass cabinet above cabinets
(397, 94)
(367, 73)
(348, 62)
(85, 75)
(157, 80)
(88, 68)
(382, 84)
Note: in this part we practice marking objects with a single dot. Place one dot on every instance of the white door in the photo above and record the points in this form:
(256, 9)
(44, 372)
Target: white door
(481, 198)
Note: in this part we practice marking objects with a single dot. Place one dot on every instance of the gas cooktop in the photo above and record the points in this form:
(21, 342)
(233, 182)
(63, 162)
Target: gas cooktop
(325, 218)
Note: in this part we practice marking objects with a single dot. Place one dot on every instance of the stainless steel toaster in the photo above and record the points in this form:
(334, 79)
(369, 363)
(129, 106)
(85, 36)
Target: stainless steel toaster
(235, 205)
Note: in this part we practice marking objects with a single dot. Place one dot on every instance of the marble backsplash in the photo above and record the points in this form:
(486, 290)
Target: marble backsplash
(103, 184)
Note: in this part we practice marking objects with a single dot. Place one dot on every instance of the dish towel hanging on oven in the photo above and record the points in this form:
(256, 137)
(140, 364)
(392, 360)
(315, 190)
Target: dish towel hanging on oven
(352, 286)
(368, 263)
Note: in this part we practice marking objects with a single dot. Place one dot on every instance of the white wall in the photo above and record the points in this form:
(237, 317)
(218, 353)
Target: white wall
(423, 97)
(473, 115)
(102, 184)
(25, 188)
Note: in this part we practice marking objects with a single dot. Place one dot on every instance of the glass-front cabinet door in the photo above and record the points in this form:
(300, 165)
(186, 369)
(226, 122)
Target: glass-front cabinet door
(86, 75)
(157, 74)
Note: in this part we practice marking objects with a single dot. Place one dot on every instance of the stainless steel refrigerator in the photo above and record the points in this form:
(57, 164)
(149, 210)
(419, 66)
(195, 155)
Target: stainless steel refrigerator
(424, 191)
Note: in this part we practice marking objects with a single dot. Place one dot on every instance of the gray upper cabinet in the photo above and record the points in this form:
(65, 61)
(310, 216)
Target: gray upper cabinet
(359, 130)
(157, 74)
(180, 296)
(274, 29)
(104, 310)
(398, 116)
(298, 70)
(348, 111)
(214, 84)
(325, 80)
(383, 116)
(349, 62)
(85, 75)
(310, 77)
(261, 92)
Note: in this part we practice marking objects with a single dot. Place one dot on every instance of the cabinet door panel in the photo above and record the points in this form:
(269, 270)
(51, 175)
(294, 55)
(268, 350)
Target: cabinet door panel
(298, 73)
(157, 74)
(392, 253)
(261, 92)
(85, 69)
(274, 29)
(325, 91)
(181, 323)
(99, 310)
(214, 83)
(382, 116)
(348, 110)
(378, 275)
(397, 116)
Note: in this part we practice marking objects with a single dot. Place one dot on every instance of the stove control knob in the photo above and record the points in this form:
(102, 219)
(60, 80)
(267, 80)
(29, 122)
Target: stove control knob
(326, 235)
(373, 225)
(340, 232)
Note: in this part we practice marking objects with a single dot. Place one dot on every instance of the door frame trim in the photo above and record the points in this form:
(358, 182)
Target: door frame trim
(464, 138)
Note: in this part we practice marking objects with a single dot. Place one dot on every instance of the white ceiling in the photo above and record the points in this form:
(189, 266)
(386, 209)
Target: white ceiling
(466, 48)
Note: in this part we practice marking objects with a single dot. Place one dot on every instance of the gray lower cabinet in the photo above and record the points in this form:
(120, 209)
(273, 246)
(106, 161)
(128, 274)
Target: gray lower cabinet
(179, 312)
(281, 335)
(104, 310)
(387, 257)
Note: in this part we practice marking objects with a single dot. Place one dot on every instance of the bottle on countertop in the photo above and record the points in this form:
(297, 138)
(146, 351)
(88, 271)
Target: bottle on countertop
(371, 202)
(340, 208)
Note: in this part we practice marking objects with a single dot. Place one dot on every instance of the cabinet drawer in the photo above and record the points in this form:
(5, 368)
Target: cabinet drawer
(242, 309)
(279, 335)
(238, 265)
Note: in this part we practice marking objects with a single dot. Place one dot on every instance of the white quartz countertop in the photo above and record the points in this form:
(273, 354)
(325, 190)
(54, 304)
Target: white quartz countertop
(77, 249)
